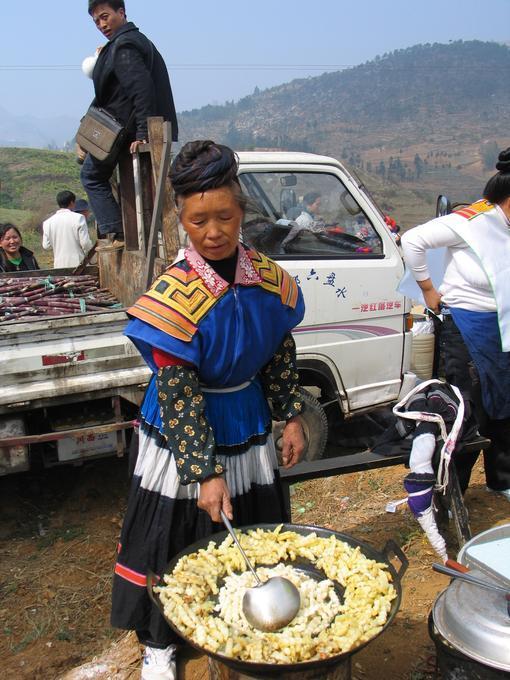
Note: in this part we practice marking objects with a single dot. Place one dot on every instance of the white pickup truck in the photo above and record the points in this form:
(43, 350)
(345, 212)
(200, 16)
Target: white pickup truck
(70, 386)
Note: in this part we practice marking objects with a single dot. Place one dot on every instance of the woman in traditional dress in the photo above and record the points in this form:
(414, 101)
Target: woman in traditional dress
(474, 298)
(215, 330)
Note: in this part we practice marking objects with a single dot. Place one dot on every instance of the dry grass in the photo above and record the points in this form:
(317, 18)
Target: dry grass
(54, 612)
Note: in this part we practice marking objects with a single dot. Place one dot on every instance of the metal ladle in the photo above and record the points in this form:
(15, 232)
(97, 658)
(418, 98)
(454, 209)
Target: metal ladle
(463, 576)
(271, 605)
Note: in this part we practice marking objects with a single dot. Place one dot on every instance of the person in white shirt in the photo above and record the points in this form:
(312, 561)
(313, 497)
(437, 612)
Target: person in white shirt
(474, 297)
(66, 233)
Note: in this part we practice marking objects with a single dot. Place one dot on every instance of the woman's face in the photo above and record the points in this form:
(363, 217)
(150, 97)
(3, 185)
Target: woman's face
(212, 221)
(11, 242)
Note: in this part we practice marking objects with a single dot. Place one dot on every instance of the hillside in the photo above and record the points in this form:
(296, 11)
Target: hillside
(414, 123)
(410, 89)
(29, 182)
(31, 178)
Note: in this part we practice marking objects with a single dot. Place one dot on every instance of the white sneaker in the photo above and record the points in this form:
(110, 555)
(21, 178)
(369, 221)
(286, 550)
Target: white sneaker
(159, 664)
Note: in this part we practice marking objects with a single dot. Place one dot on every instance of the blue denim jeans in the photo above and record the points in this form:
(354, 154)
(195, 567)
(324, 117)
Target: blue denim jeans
(95, 178)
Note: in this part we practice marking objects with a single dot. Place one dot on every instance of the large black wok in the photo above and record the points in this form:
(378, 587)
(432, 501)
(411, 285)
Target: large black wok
(390, 550)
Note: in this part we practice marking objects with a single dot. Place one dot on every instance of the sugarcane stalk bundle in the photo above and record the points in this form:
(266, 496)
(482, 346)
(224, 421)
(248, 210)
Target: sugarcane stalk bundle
(36, 296)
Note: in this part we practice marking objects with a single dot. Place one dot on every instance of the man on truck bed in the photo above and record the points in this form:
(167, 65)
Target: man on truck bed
(131, 83)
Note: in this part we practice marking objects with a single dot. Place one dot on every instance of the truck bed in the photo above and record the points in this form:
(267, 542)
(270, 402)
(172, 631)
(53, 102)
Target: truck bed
(62, 355)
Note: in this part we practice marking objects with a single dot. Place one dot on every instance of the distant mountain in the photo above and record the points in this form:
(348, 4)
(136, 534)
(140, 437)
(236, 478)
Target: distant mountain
(31, 131)
(410, 93)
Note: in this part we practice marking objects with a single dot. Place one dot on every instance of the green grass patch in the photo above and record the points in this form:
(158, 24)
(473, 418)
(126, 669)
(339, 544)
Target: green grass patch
(64, 635)
(31, 178)
(18, 217)
(38, 630)
(64, 534)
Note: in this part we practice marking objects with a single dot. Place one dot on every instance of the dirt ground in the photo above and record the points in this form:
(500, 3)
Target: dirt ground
(58, 532)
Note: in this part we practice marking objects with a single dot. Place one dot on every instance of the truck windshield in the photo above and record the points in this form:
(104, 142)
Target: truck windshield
(305, 214)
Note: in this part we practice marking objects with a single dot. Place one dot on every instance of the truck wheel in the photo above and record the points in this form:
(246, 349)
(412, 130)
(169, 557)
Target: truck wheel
(315, 428)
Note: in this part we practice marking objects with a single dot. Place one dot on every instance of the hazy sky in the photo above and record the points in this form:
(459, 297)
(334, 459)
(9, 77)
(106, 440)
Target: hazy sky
(217, 50)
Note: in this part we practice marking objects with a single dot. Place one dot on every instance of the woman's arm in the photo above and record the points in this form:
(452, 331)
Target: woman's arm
(190, 437)
(185, 426)
(431, 296)
(417, 241)
(280, 382)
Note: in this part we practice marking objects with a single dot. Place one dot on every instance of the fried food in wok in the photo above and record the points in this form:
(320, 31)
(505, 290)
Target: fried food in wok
(203, 593)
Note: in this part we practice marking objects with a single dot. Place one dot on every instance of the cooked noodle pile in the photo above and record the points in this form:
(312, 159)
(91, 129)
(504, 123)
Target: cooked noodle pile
(203, 597)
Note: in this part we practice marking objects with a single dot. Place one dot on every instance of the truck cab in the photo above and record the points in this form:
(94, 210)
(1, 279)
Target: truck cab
(353, 344)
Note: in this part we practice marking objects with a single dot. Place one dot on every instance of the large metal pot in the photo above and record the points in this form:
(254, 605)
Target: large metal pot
(454, 665)
(389, 552)
(470, 626)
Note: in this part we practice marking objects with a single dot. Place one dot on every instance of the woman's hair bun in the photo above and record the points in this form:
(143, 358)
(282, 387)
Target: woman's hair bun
(203, 165)
(503, 164)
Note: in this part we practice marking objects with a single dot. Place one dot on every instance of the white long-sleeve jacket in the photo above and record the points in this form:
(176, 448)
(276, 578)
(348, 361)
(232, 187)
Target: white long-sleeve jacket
(465, 283)
(67, 234)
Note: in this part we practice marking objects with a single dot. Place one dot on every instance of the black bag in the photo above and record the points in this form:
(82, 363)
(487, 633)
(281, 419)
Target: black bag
(101, 134)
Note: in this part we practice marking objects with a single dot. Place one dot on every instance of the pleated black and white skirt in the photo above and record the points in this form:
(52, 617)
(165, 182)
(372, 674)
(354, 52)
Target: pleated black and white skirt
(162, 516)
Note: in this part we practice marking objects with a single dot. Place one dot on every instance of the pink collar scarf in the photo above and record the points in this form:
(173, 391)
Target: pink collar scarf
(245, 272)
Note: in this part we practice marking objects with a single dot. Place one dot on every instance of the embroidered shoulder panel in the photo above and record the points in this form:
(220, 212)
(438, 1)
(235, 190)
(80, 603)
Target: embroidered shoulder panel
(274, 278)
(475, 209)
(176, 302)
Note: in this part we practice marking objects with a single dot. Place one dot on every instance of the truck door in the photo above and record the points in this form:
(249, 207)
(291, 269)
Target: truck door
(330, 237)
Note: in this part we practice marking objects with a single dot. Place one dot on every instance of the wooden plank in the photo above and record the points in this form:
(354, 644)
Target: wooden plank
(138, 185)
(170, 221)
(148, 192)
(158, 203)
(128, 201)
(366, 460)
(67, 271)
(123, 273)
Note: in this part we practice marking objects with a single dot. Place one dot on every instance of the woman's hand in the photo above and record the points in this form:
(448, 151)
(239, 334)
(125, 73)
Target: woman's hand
(430, 295)
(433, 300)
(293, 442)
(214, 495)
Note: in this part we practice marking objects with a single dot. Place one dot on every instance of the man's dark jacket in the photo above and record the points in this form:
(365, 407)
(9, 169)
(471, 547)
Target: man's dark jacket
(130, 74)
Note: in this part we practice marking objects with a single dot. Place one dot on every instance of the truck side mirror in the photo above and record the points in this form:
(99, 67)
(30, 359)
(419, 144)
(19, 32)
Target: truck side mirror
(443, 206)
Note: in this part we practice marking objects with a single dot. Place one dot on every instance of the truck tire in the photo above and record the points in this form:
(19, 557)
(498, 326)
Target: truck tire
(315, 427)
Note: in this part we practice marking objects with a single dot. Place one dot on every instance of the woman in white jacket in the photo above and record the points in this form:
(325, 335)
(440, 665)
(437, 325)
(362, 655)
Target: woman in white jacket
(474, 297)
